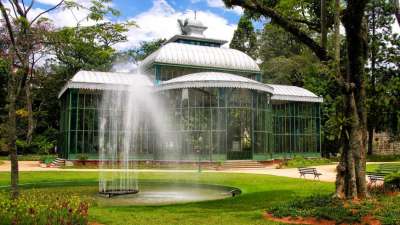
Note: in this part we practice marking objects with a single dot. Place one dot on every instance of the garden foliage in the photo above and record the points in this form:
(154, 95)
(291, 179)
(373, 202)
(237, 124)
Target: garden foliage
(38, 208)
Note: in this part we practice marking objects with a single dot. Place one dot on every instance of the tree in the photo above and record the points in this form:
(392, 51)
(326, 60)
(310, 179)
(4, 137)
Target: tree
(24, 36)
(87, 47)
(381, 43)
(396, 4)
(350, 182)
(244, 38)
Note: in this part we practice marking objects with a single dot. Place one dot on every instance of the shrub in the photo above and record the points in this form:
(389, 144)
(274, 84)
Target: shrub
(392, 181)
(82, 158)
(299, 161)
(38, 208)
(383, 158)
(47, 158)
(323, 207)
(389, 212)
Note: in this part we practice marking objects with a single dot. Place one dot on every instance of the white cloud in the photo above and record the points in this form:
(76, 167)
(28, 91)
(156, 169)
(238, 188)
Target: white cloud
(48, 2)
(220, 4)
(215, 3)
(161, 22)
(63, 17)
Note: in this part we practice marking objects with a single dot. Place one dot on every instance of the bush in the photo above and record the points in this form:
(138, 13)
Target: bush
(82, 158)
(323, 207)
(383, 158)
(389, 212)
(47, 158)
(38, 208)
(392, 181)
(299, 161)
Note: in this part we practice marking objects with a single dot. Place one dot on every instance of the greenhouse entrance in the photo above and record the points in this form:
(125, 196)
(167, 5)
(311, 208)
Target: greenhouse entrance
(239, 135)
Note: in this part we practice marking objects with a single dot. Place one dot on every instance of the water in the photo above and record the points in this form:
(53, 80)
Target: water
(132, 120)
(161, 193)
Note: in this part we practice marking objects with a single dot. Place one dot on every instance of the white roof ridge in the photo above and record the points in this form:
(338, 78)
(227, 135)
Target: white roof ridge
(294, 93)
(213, 79)
(96, 80)
(201, 56)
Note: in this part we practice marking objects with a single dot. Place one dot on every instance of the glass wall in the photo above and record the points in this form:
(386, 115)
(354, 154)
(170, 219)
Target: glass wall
(220, 123)
(210, 123)
(296, 129)
(167, 72)
(79, 124)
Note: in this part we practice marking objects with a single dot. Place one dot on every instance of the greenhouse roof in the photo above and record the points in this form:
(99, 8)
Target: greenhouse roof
(214, 79)
(94, 80)
(293, 93)
(200, 56)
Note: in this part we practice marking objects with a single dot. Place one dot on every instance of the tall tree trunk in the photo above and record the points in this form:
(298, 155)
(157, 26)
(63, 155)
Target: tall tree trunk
(351, 169)
(31, 119)
(370, 141)
(12, 135)
(324, 33)
(337, 36)
(397, 10)
(372, 109)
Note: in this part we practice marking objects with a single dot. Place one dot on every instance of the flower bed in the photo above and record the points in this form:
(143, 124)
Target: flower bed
(37, 208)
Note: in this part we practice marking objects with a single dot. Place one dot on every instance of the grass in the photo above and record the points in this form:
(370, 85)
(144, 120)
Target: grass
(259, 193)
(383, 207)
(383, 158)
(284, 196)
(304, 162)
(1, 162)
(29, 157)
(374, 167)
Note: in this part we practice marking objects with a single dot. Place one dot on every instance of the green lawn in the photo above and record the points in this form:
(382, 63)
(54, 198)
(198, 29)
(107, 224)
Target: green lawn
(374, 167)
(29, 157)
(259, 193)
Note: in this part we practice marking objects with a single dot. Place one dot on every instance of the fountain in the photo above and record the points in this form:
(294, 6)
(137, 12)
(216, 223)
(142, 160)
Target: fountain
(133, 118)
(129, 114)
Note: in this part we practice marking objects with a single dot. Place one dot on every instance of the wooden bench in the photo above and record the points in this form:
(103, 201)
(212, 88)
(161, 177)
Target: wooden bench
(374, 177)
(303, 171)
(382, 171)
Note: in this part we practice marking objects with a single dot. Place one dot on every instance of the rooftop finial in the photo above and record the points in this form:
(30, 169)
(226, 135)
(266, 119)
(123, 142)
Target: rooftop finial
(192, 27)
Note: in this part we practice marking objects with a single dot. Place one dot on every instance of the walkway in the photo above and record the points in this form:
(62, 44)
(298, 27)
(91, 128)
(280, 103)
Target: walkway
(328, 171)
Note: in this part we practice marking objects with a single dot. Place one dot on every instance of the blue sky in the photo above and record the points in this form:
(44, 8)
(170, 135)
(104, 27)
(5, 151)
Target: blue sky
(134, 7)
(155, 18)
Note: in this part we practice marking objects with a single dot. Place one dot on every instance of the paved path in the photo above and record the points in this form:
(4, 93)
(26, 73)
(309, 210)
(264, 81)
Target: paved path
(328, 171)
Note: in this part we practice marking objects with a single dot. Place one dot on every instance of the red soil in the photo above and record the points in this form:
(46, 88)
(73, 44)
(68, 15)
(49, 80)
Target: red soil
(367, 220)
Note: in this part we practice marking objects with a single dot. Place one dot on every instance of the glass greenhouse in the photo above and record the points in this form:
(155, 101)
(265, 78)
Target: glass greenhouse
(216, 99)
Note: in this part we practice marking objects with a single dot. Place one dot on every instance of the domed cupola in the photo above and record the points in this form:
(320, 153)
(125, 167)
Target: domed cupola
(192, 32)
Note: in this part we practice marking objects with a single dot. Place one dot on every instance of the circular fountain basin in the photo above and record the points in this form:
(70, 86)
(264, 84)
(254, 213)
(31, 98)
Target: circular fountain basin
(160, 193)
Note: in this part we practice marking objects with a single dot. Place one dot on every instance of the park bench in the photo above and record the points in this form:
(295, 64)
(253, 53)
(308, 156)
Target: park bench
(382, 171)
(374, 177)
(313, 171)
